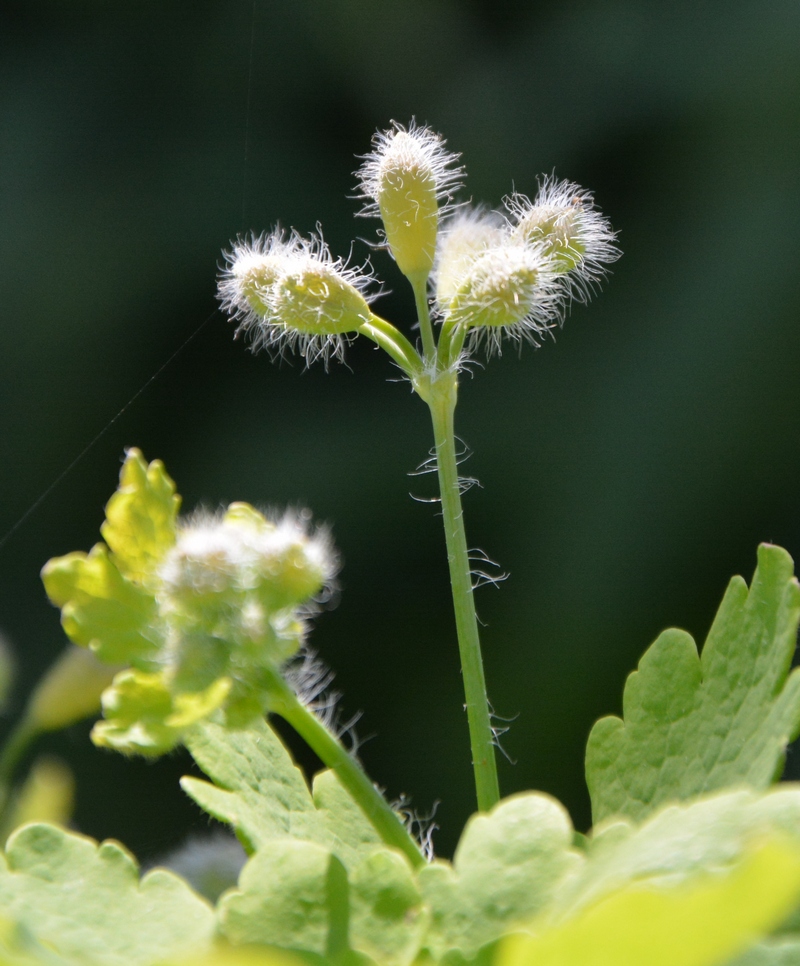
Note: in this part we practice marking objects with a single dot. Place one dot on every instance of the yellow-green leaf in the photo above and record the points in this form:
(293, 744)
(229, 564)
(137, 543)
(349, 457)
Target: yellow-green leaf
(140, 516)
(142, 716)
(292, 895)
(704, 921)
(387, 917)
(507, 867)
(259, 790)
(100, 608)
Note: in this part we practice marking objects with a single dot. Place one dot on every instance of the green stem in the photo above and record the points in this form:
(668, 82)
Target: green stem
(442, 405)
(384, 820)
(451, 341)
(420, 285)
(13, 750)
(393, 342)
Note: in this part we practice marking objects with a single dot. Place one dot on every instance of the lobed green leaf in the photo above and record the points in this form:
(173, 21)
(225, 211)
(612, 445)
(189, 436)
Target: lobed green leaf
(506, 868)
(694, 724)
(293, 895)
(682, 840)
(516, 862)
(298, 896)
(319, 880)
(104, 597)
(100, 608)
(701, 921)
(140, 517)
(85, 901)
(259, 790)
(388, 921)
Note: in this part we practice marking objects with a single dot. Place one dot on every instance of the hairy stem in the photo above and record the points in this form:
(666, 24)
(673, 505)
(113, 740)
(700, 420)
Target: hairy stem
(384, 820)
(442, 404)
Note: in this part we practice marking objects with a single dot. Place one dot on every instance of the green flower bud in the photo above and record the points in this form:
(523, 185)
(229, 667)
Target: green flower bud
(7, 671)
(556, 230)
(565, 224)
(405, 177)
(240, 579)
(506, 290)
(255, 275)
(48, 795)
(314, 298)
(291, 292)
(466, 236)
(69, 691)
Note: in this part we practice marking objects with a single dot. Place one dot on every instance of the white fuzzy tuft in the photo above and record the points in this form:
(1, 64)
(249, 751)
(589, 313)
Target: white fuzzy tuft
(464, 236)
(233, 559)
(401, 149)
(564, 219)
(290, 293)
(506, 291)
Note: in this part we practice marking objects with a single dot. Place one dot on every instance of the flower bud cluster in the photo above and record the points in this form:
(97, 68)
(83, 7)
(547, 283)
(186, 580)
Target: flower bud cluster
(512, 275)
(197, 616)
(495, 275)
(290, 292)
(235, 590)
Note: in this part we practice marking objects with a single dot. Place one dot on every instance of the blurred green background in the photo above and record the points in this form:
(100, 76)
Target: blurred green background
(628, 469)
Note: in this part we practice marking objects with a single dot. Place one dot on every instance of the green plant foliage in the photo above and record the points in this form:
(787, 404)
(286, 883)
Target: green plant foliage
(702, 921)
(294, 892)
(85, 901)
(505, 870)
(321, 883)
(320, 880)
(694, 724)
(143, 717)
(140, 517)
(240, 956)
(388, 920)
(199, 611)
(517, 864)
(105, 596)
(293, 895)
(682, 840)
(261, 792)
(693, 861)
(297, 895)
(773, 952)
(101, 608)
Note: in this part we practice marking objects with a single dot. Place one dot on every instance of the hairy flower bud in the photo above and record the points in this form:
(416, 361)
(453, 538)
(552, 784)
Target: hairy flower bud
(404, 178)
(235, 589)
(505, 290)
(464, 237)
(565, 223)
(314, 298)
(291, 292)
(239, 580)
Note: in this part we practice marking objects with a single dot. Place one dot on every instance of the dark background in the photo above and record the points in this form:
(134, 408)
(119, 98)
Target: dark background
(628, 469)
